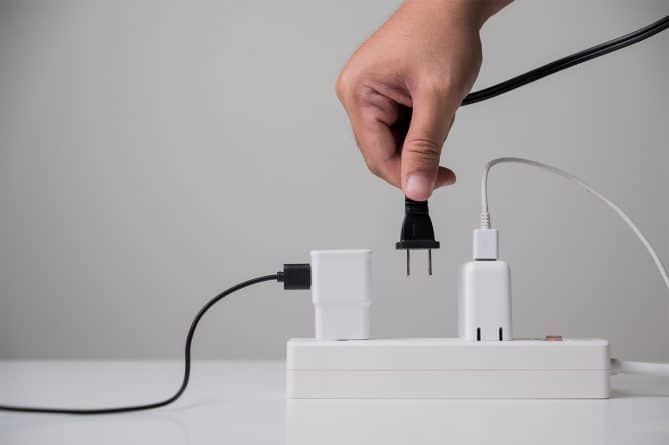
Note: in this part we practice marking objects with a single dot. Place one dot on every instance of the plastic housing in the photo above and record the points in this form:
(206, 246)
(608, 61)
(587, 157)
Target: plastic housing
(484, 301)
(448, 368)
(341, 291)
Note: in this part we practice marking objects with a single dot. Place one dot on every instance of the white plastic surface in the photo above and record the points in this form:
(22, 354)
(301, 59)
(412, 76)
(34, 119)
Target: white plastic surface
(341, 291)
(447, 368)
(486, 244)
(484, 301)
(242, 402)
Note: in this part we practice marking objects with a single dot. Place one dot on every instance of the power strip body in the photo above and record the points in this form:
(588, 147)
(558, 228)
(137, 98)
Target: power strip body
(448, 368)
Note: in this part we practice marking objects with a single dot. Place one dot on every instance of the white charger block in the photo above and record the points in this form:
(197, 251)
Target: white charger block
(448, 368)
(341, 292)
(484, 301)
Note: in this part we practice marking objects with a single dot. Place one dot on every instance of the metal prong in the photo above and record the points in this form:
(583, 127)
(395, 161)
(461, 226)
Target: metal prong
(429, 261)
(408, 264)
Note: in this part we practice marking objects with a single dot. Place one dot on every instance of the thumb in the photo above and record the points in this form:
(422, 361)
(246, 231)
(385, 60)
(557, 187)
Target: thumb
(431, 119)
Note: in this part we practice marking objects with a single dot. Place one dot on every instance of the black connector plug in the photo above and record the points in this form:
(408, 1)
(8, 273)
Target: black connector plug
(295, 276)
(417, 231)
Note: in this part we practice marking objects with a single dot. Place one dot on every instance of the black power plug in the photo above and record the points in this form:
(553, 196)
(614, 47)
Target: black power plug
(417, 231)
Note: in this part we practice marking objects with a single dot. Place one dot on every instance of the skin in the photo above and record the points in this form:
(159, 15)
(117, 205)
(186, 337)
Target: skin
(402, 87)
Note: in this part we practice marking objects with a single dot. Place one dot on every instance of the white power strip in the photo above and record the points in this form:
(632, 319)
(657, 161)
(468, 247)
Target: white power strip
(484, 362)
(448, 368)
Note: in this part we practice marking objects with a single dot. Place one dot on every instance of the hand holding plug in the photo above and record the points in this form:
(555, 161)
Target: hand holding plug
(402, 87)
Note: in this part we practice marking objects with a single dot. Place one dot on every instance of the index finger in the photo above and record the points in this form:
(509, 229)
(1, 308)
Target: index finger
(378, 146)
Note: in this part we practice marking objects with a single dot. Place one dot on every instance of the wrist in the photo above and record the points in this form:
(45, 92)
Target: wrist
(471, 13)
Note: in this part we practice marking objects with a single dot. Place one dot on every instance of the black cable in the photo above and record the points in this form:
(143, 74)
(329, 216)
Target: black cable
(566, 62)
(189, 340)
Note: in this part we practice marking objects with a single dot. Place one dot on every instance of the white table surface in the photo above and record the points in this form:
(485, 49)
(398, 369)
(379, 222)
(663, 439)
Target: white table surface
(242, 402)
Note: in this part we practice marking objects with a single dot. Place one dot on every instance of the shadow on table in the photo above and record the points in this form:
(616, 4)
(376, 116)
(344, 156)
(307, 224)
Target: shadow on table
(418, 422)
(121, 428)
(627, 393)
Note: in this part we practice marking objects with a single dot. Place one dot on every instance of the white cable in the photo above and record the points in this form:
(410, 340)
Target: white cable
(643, 368)
(660, 369)
(486, 217)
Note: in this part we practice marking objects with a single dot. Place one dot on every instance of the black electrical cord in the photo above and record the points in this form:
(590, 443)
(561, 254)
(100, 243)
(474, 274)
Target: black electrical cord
(184, 382)
(293, 277)
(566, 62)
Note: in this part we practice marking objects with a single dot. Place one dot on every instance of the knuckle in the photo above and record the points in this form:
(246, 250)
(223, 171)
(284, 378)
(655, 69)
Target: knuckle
(424, 148)
(344, 84)
(439, 85)
(444, 86)
(439, 88)
(374, 167)
(351, 89)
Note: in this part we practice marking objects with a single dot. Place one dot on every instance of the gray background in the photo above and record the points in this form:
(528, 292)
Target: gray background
(153, 153)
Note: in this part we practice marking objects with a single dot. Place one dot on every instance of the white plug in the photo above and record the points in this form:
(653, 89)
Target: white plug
(484, 294)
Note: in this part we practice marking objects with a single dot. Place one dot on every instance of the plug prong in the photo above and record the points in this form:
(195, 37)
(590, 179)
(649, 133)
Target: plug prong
(429, 261)
(408, 264)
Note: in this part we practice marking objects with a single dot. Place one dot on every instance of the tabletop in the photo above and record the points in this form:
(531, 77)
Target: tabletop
(243, 402)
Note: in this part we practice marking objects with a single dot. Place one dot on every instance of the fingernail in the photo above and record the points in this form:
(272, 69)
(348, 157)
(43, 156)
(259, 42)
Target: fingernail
(418, 187)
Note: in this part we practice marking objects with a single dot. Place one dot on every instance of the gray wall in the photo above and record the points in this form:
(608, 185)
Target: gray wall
(153, 153)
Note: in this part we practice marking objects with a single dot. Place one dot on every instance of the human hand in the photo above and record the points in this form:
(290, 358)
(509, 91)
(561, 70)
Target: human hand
(402, 87)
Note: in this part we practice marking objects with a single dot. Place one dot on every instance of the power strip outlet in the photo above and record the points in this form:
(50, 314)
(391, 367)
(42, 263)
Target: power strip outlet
(448, 368)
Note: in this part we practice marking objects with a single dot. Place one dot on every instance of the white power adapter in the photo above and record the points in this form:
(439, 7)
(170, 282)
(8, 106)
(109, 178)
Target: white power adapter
(484, 297)
(341, 290)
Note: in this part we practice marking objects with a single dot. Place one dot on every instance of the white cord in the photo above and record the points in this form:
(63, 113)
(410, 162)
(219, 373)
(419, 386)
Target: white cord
(644, 368)
(660, 369)
(485, 216)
